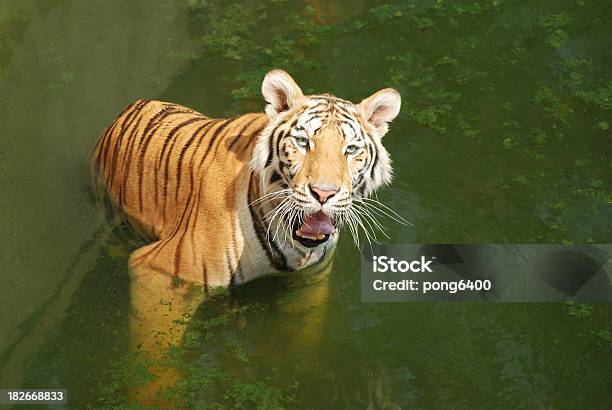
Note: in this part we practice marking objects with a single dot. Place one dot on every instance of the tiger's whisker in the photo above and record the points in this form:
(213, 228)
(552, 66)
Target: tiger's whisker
(368, 215)
(384, 209)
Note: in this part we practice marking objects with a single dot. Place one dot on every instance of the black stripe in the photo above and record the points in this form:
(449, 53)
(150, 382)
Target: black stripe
(156, 121)
(281, 136)
(342, 110)
(125, 170)
(104, 149)
(197, 147)
(125, 125)
(282, 165)
(255, 133)
(205, 277)
(271, 145)
(359, 181)
(130, 149)
(239, 134)
(275, 255)
(364, 170)
(194, 204)
(319, 104)
(179, 164)
(230, 268)
(375, 161)
(235, 249)
(167, 162)
(171, 134)
(240, 272)
(146, 139)
(323, 255)
(124, 128)
(350, 124)
(302, 201)
(193, 157)
(315, 113)
(214, 137)
(102, 145)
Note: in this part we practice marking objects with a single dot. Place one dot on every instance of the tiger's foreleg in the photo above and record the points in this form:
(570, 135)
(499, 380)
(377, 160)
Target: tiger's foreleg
(161, 308)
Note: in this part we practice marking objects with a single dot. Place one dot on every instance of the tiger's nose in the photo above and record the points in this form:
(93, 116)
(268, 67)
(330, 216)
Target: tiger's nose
(322, 195)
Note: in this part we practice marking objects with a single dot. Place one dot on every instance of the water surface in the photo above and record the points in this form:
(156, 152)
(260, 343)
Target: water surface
(505, 136)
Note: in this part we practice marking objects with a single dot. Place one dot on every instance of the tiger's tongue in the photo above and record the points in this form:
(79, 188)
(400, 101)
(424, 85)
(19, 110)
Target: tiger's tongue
(318, 223)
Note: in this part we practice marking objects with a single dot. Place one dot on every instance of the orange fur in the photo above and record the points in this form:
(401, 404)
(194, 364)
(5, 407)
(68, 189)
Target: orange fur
(179, 177)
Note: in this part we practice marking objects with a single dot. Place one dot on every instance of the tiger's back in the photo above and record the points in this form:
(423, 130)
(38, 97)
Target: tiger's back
(164, 166)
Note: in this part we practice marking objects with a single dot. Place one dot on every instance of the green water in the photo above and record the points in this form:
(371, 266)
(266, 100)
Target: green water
(505, 136)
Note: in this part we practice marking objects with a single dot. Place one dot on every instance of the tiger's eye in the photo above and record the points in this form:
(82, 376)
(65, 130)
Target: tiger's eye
(351, 149)
(301, 142)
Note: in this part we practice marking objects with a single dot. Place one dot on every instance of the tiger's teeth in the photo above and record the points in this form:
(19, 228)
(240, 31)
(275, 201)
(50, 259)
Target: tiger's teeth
(301, 234)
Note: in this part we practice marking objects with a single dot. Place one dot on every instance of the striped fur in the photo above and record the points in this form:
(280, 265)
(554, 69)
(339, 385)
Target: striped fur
(195, 186)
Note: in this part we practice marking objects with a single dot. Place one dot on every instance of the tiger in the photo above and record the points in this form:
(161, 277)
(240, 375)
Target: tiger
(205, 192)
(223, 201)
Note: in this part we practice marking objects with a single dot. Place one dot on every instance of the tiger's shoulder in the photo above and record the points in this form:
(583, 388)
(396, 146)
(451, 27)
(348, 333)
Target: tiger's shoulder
(154, 153)
(156, 118)
(155, 106)
(162, 111)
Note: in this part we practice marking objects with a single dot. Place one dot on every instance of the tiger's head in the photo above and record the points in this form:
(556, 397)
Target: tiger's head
(320, 157)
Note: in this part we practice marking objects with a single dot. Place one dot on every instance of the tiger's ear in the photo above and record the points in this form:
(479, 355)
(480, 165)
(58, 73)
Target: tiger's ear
(381, 108)
(280, 92)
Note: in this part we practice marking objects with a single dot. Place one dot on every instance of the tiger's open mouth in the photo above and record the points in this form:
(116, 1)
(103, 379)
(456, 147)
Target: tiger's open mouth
(315, 230)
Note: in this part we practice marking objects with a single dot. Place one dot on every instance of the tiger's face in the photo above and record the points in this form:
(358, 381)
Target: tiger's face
(319, 157)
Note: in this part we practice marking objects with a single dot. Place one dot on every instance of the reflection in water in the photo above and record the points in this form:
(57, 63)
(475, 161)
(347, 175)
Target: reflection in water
(376, 391)
(503, 137)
